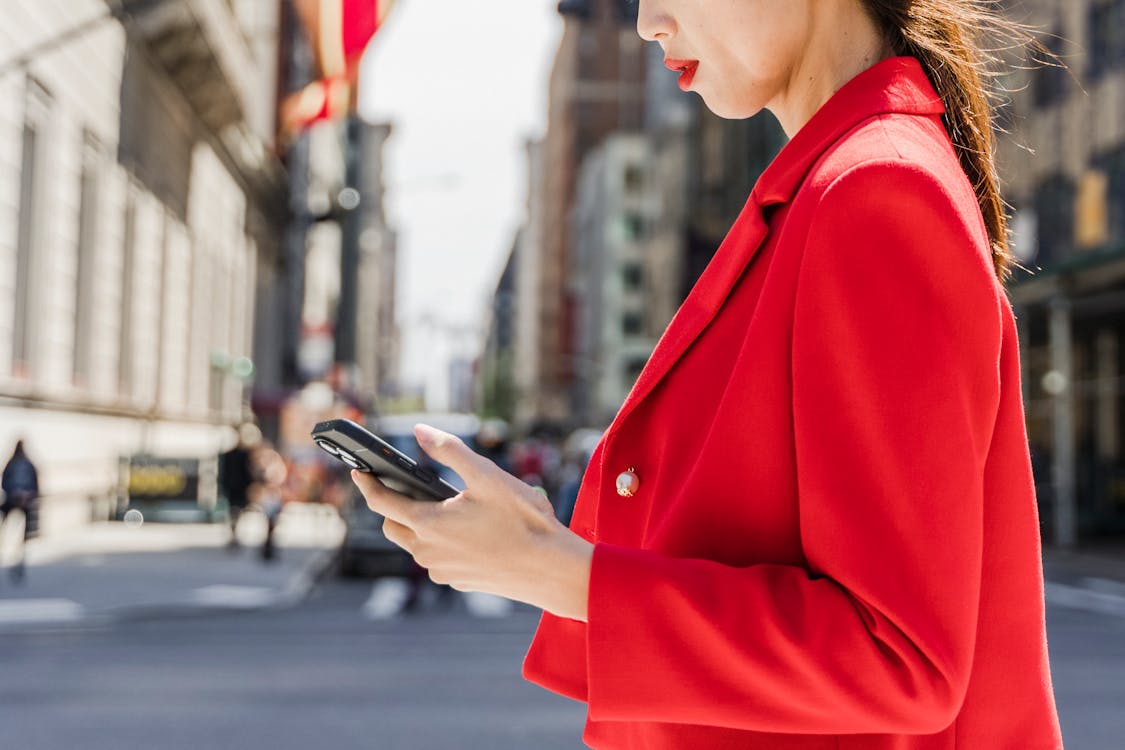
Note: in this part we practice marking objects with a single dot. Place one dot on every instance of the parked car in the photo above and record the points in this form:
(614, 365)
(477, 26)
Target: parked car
(365, 550)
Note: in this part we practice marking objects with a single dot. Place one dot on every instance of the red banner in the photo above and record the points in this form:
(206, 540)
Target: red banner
(339, 31)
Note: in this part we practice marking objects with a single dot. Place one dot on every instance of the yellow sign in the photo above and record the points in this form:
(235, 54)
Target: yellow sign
(156, 480)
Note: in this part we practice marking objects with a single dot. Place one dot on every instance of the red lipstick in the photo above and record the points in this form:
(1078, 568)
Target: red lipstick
(686, 68)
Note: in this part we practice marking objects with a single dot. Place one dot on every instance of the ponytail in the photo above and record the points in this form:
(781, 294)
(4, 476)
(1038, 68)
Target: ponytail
(945, 36)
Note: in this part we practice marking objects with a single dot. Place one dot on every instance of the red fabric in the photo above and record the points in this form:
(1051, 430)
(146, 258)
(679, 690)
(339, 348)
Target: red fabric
(361, 21)
(835, 542)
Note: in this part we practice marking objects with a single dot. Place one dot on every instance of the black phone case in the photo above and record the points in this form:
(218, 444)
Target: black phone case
(360, 449)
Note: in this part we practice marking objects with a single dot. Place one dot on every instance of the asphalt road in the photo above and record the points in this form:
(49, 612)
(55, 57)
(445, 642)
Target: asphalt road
(323, 674)
(157, 638)
(1088, 670)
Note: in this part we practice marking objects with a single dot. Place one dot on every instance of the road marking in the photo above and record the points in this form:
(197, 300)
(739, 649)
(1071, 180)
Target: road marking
(388, 597)
(487, 605)
(236, 597)
(1090, 599)
(40, 611)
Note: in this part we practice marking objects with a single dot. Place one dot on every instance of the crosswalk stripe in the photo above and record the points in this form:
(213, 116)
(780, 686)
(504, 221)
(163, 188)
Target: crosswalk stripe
(487, 605)
(36, 611)
(235, 597)
(388, 596)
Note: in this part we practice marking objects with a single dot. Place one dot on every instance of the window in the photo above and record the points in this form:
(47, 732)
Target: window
(28, 239)
(632, 324)
(632, 275)
(632, 227)
(1113, 164)
(627, 11)
(633, 368)
(1049, 79)
(634, 178)
(1106, 41)
(1054, 205)
(87, 250)
(577, 8)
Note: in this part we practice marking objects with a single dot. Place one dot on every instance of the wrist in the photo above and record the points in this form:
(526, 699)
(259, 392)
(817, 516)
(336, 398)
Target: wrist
(562, 574)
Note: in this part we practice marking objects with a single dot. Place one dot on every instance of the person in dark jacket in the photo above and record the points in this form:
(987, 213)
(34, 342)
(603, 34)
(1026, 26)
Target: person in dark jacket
(20, 484)
(236, 476)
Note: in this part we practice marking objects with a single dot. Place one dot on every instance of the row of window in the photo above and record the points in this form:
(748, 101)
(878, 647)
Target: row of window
(35, 276)
(1086, 214)
(1106, 38)
(1104, 47)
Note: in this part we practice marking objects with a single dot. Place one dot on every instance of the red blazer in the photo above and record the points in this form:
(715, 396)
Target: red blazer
(835, 541)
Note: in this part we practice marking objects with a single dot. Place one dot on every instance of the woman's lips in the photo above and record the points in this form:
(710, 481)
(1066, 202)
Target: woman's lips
(686, 68)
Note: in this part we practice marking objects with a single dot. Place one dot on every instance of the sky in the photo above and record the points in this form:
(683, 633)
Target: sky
(464, 85)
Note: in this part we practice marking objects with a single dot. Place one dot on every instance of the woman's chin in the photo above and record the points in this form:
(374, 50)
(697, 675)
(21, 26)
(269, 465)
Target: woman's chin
(729, 110)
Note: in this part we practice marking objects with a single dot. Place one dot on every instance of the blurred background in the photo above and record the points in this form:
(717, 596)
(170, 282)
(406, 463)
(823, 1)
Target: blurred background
(224, 220)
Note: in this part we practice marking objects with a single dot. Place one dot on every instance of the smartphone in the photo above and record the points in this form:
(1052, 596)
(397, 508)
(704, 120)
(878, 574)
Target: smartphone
(363, 450)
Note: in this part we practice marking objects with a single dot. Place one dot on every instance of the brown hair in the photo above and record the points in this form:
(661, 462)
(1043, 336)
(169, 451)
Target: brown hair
(946, 36)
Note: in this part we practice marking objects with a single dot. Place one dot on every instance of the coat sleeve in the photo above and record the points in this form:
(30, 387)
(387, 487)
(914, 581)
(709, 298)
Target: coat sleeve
(895, 366)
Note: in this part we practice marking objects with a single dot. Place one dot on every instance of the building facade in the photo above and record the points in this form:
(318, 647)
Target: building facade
(606, 231)
(138, 198)
(1064, 175)
(596, 88)
(613, 274)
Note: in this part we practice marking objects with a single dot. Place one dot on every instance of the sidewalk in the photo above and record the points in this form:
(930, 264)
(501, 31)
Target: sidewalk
(107, 572)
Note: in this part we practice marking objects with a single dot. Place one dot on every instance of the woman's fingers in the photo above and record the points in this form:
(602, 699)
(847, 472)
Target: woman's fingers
(386, 502)
(475, 469)
(398, 534)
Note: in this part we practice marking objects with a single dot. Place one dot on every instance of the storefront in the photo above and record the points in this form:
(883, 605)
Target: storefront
(1071, 319)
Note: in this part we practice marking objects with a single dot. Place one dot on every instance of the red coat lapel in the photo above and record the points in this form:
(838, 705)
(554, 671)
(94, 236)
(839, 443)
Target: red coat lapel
(703, 303)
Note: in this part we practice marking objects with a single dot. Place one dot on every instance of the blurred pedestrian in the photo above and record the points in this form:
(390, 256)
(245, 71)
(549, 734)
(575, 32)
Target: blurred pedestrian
(492, 443)
(270, 473)
(813, 522)
(236, 476)
(20, 484)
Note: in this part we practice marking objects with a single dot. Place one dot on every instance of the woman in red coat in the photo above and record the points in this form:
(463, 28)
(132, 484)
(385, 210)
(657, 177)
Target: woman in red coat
(812, 524)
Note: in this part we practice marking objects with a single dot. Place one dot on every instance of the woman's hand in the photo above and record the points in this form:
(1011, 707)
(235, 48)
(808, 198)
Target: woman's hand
(499, 536)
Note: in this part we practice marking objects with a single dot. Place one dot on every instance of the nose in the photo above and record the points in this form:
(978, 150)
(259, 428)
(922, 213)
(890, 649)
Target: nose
(653, 24)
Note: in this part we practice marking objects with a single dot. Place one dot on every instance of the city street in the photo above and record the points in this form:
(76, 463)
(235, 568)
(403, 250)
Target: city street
(285, 655)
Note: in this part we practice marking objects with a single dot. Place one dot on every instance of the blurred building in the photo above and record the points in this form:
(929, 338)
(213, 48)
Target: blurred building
(631, 191)
(530, 286)
(596, 88)
(328, 311)
(139, 203)
(611, 274)
(376, 343)
(348, 333)
(1064, 172)
(496, 378)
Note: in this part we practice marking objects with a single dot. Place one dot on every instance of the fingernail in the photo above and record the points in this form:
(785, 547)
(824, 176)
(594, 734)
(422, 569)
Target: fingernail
(355, 475)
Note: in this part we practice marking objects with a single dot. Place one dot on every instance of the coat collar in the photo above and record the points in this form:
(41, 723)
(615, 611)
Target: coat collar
(895, 85)
(898, 85)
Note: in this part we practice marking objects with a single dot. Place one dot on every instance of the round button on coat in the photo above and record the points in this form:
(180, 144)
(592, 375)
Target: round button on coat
(628, 483)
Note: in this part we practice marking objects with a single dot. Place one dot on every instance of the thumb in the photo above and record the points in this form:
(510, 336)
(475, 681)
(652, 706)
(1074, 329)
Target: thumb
(451, 450)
